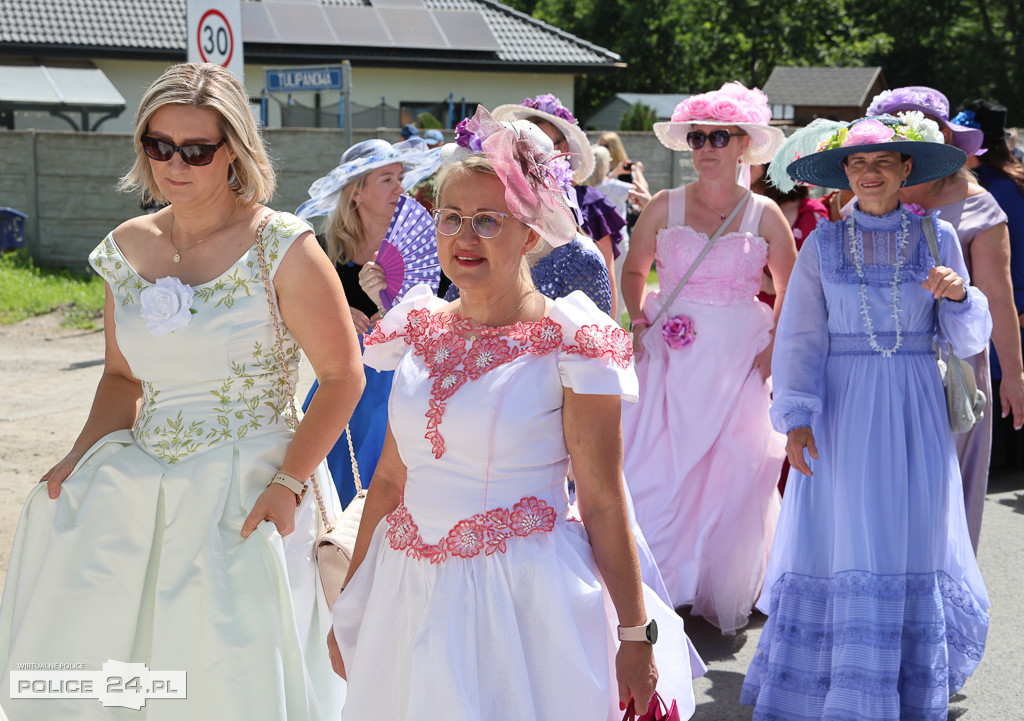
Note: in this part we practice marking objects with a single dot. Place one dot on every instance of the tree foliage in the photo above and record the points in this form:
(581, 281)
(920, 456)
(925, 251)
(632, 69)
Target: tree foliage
(638, 117)
(966, 48)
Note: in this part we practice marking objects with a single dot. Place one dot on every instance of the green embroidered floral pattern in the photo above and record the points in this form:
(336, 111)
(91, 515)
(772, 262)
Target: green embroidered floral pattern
(224, 289)
(110, 264)
(252, 396)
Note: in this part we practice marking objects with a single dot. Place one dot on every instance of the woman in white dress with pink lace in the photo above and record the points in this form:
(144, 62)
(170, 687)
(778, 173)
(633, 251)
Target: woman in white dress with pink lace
(702, 459)
(474, 593)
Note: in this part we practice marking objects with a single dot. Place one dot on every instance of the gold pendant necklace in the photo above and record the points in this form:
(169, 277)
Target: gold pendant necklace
(176, 258)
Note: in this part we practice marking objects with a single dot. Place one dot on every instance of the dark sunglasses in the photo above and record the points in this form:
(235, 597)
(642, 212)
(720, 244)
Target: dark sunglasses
(192, 154)
(719, 138)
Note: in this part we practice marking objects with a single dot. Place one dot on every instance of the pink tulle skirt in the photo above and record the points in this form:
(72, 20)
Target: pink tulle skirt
(702, 460)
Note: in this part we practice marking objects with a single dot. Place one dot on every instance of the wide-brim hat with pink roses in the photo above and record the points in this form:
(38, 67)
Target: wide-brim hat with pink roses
(733, 104)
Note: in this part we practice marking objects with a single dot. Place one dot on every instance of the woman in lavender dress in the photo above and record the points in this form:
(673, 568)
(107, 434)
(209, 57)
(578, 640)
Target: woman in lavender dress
(876, 607)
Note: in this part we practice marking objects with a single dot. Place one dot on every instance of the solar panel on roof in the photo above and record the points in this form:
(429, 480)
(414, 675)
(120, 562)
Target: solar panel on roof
(256, 25)
(466, 30)
(301, 24)
(358, 26)
(413, 28)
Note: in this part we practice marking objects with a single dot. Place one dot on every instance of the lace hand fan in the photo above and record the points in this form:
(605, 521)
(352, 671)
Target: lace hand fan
(408, 253)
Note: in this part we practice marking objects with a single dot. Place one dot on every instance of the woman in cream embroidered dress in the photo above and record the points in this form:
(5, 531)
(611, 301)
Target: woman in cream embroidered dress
(473, 593)
(702, 460)
(157, 540)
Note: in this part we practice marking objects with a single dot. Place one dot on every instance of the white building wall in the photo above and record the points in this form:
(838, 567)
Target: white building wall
(132, 77)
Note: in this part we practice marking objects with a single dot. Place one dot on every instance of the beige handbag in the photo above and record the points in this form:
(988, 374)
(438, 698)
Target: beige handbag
(336, 539)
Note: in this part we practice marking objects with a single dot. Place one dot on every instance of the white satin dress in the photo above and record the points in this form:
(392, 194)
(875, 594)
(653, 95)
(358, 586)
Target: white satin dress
(479, 598)
(140, 558)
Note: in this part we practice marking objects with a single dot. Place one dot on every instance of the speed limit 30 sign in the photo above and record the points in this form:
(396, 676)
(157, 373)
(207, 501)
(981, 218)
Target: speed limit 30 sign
(215, 34)
(216, 41)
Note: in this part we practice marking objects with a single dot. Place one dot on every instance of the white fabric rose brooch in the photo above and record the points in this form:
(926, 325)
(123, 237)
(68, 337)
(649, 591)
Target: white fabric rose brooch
(166, 306)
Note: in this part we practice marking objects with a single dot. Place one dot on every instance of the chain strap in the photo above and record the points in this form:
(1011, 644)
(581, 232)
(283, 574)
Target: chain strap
(293, 420)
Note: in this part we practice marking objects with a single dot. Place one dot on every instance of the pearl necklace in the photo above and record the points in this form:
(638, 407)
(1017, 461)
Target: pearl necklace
(857, 250)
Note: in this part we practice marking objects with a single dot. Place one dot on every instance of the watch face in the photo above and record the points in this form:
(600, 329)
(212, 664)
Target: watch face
(652, 631)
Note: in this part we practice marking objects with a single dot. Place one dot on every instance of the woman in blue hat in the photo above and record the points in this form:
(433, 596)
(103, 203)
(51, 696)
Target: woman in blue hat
(359, 199)
(876, 607)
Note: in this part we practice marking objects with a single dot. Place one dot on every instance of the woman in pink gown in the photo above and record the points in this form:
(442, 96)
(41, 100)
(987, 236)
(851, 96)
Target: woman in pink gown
(702, 460)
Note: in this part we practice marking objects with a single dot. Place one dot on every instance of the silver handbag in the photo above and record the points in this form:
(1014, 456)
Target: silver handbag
(965, 404)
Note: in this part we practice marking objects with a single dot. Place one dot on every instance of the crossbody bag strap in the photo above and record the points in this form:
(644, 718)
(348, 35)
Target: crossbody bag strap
(707, 249)
(275, 316)
(928, 225)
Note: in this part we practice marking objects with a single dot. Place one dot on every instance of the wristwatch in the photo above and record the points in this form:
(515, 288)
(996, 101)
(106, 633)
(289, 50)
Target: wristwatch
(646, 634)
(292, 484)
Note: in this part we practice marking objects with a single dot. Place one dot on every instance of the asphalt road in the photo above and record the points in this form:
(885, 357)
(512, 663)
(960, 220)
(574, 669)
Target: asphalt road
(994, 693)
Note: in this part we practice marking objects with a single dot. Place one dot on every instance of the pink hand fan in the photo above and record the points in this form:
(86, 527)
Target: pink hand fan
(408, 253)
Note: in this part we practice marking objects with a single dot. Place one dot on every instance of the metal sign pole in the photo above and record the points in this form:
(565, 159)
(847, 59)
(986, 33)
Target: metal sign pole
(346, 100)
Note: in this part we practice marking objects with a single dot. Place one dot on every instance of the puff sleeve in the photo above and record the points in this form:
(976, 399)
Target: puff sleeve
(389, 340)
(801, 344)
(596, 356)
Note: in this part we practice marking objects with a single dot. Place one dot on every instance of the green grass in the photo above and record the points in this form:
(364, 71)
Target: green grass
(27, 290)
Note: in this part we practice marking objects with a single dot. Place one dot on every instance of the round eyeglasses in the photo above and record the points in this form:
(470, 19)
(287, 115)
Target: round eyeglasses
(486, 223)
(718, 138)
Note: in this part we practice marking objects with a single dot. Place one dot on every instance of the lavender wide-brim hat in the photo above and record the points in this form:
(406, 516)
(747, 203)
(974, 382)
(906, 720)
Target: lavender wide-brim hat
(934, 105)
(418, 162)
(550, 108)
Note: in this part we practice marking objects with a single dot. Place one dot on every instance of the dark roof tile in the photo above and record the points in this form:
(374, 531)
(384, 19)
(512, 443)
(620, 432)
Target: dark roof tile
(820, 86)
(160, 24)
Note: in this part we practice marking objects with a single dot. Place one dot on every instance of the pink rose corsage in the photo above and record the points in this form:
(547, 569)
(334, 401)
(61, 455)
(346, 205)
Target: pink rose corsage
(678, 332)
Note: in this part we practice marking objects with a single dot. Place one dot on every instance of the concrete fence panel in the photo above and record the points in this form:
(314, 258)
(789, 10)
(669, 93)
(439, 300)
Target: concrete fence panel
(66, 181)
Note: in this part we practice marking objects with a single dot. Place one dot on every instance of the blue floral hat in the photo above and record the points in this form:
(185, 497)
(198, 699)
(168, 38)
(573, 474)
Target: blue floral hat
(815, 154)
(417, 159)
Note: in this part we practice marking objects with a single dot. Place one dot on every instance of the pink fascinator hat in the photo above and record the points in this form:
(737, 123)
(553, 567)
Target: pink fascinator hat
(931, 103)
(548, 107)
(537, 179)
(733, 104)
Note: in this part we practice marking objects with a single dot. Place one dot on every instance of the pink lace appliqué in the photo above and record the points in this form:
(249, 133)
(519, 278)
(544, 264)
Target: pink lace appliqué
(485, 532)
(453, 359)
(595, 341)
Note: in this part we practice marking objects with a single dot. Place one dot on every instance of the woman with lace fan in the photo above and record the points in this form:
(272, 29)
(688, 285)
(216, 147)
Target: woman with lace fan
(475, 593)
(876, 607)
(701, 458)
(382, 243)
